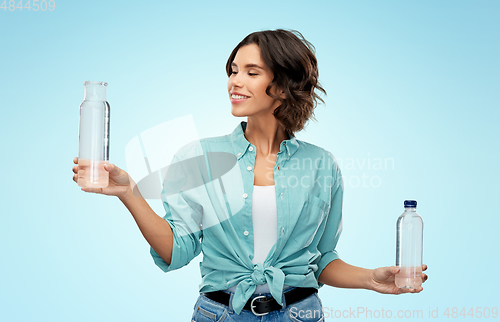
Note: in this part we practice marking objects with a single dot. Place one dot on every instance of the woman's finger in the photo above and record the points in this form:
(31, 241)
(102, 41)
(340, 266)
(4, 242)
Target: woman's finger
(112, 169)
(75, 160)
(424, 267)
(92, 190)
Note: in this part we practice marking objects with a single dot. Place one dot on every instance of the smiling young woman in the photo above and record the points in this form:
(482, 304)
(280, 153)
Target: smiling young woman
(269, 240)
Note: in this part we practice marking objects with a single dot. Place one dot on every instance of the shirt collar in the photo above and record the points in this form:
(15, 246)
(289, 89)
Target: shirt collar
(241, 145)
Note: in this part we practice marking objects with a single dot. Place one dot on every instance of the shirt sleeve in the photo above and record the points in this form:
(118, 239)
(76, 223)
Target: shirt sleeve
(333, 227)
(184, 217)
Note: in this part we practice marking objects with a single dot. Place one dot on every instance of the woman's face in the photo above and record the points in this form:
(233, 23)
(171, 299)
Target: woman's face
(248, 82)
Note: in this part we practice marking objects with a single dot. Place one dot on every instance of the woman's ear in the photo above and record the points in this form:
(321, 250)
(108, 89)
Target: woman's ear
(282, 95)
(279, 92)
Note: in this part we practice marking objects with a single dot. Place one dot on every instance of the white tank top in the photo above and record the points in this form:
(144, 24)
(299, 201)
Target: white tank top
(265, 226)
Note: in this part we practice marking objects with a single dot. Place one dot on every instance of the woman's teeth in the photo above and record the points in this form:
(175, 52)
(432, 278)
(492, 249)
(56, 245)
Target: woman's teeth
(239, 97)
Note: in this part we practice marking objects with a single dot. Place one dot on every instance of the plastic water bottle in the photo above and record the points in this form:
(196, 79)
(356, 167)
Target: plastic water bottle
(93, 150)
(409, 247)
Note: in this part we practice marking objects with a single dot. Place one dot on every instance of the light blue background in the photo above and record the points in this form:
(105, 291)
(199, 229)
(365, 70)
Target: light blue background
(415, 82)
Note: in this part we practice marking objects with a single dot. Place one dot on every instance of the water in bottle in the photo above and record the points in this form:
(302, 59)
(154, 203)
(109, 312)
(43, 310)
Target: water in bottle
(409, 247)
(93, 151)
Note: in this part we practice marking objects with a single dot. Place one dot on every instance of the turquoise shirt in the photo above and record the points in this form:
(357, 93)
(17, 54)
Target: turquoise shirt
(207, 196)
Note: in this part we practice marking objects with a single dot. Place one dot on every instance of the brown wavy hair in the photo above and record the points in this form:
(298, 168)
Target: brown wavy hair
(291, 59)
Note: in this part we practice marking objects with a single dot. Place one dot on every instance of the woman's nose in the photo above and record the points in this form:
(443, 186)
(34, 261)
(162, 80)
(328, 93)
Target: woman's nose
(235, 81)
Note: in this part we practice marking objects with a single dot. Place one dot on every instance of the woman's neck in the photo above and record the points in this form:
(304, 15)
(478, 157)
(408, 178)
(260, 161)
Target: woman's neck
(265, 136)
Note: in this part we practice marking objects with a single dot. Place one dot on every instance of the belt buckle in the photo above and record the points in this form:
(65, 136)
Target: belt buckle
(252, 306)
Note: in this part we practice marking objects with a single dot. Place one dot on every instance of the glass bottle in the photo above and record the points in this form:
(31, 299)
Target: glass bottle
(409, 247)
(93, 150)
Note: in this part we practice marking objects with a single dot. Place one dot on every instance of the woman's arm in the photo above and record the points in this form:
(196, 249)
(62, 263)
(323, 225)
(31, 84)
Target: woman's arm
(155, 229)
(340, 274)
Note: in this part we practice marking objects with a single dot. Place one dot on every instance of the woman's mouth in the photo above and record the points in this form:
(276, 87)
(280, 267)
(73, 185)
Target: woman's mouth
(238, 98)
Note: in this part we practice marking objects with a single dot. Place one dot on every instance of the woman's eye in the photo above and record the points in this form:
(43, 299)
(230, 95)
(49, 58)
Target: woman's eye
(250, 74)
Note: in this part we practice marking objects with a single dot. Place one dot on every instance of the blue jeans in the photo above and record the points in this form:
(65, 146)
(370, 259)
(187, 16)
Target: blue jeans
(309, 309)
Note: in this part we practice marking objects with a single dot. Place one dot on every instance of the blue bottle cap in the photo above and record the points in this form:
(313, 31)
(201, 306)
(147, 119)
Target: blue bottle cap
(410, 203)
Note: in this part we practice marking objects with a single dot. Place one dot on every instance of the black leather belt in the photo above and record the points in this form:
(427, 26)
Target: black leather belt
(261, 305)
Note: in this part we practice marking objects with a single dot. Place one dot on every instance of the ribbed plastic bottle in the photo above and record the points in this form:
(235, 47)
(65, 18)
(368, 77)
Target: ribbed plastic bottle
(409, 243)
(93, 150)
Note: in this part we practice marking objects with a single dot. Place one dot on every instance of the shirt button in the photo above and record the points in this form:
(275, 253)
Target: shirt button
(250, 148)
(245, 195)
(239, 154)
(283, 230)
(282, 195)
(249, 168)
(246, 232)
(288, 153)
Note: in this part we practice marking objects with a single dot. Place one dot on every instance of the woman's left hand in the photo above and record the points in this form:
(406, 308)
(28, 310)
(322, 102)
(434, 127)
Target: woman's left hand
(382, 280)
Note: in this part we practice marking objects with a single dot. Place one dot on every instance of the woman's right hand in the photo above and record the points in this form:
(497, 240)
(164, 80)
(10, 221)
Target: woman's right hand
(119, 181)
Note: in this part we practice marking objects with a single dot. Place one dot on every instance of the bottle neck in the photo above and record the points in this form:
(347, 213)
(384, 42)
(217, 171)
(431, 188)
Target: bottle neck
(410, 209)
(95, 91)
